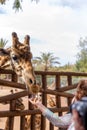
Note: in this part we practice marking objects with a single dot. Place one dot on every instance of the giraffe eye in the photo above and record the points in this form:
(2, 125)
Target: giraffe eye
(14, 57)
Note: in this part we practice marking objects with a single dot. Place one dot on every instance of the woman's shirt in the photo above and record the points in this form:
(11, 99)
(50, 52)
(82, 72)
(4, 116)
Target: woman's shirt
(59, 121)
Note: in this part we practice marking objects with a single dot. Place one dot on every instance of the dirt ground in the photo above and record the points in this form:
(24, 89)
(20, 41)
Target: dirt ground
(17, 119)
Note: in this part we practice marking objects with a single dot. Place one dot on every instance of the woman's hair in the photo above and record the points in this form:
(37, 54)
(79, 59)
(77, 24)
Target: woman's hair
(82, 86)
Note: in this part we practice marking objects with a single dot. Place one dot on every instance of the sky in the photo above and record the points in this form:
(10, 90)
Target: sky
(54, 26)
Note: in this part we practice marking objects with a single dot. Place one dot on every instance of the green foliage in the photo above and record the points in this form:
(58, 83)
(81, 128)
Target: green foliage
(45, 61)
(81, 63)
(3, 42)
(67, 68)
(16, 4)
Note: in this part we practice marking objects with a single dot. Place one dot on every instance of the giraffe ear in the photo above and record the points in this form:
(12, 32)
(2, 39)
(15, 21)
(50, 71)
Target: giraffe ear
(4, 52)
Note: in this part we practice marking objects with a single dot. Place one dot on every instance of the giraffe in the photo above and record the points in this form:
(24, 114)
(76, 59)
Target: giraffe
(18, 56)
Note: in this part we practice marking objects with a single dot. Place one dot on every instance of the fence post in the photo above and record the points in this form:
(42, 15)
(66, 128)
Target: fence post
(12, 105)
(22, 122)
(69, 78)
(44, 101)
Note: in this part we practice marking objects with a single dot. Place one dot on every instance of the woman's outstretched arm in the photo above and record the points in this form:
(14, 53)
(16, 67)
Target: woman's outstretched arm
(59, 121)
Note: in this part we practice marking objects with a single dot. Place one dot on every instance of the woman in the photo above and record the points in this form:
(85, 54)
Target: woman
(66, 120)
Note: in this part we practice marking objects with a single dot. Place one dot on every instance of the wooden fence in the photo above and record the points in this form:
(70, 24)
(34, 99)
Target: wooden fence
(64, 83)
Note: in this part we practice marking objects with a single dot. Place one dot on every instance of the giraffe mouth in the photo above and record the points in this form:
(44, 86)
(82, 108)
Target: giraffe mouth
(33, 88)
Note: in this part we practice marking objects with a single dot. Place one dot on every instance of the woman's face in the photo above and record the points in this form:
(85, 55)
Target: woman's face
(79, 94)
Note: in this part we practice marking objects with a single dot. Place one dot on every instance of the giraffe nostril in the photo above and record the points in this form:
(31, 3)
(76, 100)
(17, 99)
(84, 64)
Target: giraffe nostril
(31, 81)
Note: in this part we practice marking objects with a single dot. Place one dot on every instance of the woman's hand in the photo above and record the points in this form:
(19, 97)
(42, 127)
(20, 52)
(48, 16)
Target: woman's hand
(37, 103)
(34, 101)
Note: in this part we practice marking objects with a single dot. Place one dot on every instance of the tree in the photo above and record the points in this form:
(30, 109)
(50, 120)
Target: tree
(3, 42)
(47, 60)
(16, 4)
(81, 63)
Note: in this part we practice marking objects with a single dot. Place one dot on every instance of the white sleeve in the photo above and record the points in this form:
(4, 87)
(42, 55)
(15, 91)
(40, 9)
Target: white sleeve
(59, 121)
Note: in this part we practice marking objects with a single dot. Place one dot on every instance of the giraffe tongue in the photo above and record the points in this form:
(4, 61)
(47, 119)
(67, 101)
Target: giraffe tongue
(34, 89)
(35, 98)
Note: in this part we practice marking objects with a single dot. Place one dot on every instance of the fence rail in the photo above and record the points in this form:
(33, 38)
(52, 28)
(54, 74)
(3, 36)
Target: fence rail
(58, 91)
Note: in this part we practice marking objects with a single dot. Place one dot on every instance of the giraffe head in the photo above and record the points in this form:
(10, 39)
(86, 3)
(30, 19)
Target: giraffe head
(20, 56)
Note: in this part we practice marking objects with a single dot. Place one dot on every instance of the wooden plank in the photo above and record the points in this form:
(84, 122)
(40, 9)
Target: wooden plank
(66, 88)
(54, 92)
(6, 71)
(22, 122)
(13, 96)
(60, 73)
(58, 98)
(69, 78)
(11, 119)
(44, 101)
(12, 84)
(30, 112)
